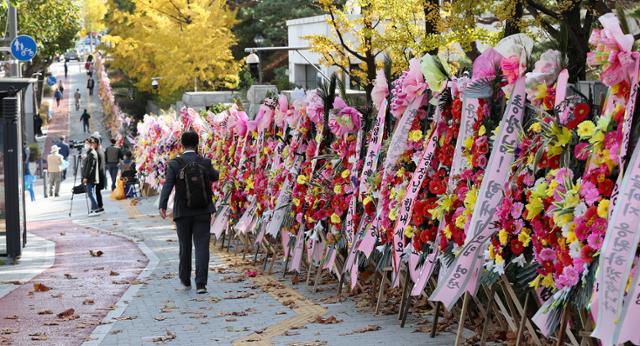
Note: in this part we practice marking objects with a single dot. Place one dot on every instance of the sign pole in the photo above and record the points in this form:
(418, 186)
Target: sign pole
(12, 19)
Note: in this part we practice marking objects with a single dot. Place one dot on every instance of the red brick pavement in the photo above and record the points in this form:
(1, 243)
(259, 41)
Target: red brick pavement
(89, 285)
(59, 123)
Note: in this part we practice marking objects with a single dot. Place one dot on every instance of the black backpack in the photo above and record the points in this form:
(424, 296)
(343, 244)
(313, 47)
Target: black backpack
(194, 183)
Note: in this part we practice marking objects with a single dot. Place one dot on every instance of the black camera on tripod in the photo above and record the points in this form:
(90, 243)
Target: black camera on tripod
(78, 145)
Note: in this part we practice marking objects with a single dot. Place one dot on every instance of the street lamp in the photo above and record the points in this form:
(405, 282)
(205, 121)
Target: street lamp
(154, 83)
(253, 62)
(259, 40)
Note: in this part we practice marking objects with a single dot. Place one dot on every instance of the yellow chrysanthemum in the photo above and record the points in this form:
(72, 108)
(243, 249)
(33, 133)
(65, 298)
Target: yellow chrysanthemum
(524, 237)
(552, 187)
(408, 232)
(536, 127)
(367, 200)
(345, 174)
(337, 189)
(460, 221)
(499, 259)
(492, 251)
(415, 135)
(470, 198)
(603, 208)
(503, 236)
(571, 237)
(393, 214)
(447, 232)
(586, 129)
(335, 218)
(482, 130)
(468, 143)
(534, 207)
(296, 202)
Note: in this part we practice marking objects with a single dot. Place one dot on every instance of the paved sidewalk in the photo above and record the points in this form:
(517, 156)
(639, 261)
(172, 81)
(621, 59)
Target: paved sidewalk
(239, 309)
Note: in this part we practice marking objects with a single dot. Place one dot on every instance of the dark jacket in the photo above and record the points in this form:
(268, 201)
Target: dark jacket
(90, 83)
(89, 167)
(64, 149)
(180, 208)
(85, 117)
(102, 170)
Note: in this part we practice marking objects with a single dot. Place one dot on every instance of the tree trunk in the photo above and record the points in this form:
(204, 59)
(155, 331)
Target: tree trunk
(578, 42)
(512, 25)
(431, 26)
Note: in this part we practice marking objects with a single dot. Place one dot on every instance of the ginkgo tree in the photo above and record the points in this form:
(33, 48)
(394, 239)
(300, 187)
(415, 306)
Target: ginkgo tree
(184, 42)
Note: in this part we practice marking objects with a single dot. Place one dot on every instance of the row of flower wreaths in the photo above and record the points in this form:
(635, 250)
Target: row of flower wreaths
(501, 171)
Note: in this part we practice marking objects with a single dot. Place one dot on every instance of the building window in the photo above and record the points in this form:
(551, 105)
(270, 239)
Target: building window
(305, 76)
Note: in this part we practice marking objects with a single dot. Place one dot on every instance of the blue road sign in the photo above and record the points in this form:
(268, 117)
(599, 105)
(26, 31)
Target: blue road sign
(23, 47)
(51, 80)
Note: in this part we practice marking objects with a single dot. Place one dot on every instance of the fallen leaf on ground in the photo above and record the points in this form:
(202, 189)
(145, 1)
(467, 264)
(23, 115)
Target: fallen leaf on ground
(69, 276)
(6, 331)
(112, 273)
(57, 295)
(169, 335)
(62, 233)
(116, 331)
(98, 268)
(125, 318)
(231, 319)
(329, 320)
(12, 317)
(168, 307)
(171, 240)
(296, 279)
(97, 253)
(88, 302)
(159, 318)
(12, 282)
(45, 312)
(290, 333)
(168, 276)
(51, 323)
(38, 336)
(40, 287)
(369, 328)
(239, 296)
(67, 315)
(251, 273)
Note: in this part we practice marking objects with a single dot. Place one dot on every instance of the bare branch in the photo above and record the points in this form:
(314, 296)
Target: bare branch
(546, 25)
(541, 8)
(342, 41)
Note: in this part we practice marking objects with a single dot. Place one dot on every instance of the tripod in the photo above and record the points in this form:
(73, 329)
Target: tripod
(75, 189)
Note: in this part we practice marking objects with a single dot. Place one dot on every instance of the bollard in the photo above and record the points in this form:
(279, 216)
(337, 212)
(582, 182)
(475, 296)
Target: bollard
(45, 180)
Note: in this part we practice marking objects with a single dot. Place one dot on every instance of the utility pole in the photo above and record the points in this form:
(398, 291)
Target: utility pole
(12, 23)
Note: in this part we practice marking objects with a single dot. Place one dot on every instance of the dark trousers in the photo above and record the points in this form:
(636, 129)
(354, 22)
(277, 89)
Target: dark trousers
(196, 230)
(85, 126)
(113, 172)
(99, 196)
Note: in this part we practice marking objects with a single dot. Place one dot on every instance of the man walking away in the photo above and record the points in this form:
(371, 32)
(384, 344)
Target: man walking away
(58, 96)
(90, 84)
(66, 69)
(91, 174)
(64, 151)
(113, 156)
(77, 96)
(54, 164)
(192, 176)
(85, 120)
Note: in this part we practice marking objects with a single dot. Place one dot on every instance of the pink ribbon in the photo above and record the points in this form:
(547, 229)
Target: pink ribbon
(466, 267)
(373, 148)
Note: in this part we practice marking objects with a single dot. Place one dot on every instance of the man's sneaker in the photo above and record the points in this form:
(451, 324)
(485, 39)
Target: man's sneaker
(93, 213)
(100, 211)
(201, 289)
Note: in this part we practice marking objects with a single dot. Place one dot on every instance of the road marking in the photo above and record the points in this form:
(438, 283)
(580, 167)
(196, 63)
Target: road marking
(305, 309)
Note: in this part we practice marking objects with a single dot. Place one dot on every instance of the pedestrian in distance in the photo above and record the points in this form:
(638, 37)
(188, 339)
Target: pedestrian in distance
(77, 96)
(192, 176)
(113, 155)
(66, 68)
(54, 166)
(61, 87)
(65, 152)
(101, 170)
(90, 84)
(91, 174)
(128, 173)
(85, 121)
(58, 96)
